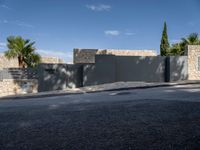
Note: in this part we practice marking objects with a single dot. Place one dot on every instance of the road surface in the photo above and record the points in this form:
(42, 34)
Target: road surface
(156, 118)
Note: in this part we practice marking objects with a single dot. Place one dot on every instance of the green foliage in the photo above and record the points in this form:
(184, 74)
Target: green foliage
(179, 48)
(24, 50)
(164, 46)
(176, 49)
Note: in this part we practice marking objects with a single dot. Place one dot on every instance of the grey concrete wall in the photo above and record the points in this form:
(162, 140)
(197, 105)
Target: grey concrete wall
(103, 71)
(109, 69)
(178, 68)
(59, 76)
(148, 69)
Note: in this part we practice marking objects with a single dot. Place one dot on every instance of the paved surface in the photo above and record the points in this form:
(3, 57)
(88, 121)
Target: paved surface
(158, 118)
(100, 88)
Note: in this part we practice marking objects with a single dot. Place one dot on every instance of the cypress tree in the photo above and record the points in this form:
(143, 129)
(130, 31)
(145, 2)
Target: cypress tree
(164, 46)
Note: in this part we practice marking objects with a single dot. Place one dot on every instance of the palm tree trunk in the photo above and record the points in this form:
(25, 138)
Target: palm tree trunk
(20, 61)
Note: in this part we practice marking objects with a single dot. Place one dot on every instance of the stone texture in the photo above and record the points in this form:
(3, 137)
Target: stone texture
(5, 63)
(14, 87)
(13, 63)
(51, 60)
(193, 52)
(84, 56)
(88, 55)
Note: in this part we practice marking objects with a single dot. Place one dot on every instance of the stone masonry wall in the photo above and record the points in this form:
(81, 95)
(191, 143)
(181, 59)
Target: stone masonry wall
(14, 87)
(13, 63)
(5, 63)
(193, 52)
(51, 60)
(88, 55)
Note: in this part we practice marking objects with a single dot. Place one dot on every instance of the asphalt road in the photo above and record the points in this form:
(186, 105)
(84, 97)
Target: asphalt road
(158, 118)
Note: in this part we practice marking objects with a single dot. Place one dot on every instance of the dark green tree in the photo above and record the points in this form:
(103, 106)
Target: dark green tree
(164, 45)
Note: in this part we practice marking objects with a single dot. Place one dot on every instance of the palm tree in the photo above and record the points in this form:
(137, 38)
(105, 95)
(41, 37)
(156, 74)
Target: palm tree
(176, 49)
(192, 39)
(23, 50)
(179, 48)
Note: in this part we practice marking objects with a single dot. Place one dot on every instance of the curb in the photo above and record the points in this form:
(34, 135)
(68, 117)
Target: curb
(37, 96)
(41, 95)
(139, 87)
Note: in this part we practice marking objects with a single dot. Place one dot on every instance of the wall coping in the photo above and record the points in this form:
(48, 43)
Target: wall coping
(131, 50)
(10, 80)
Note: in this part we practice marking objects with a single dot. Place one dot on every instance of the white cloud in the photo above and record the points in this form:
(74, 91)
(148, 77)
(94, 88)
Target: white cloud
(65, 55)
(4, 6)
(2, 45)
(17, 22)
(23, 24)
(112, 33)
(117, 33)
(101, 7)
(4, 21)
(129, 33)
(175, 41)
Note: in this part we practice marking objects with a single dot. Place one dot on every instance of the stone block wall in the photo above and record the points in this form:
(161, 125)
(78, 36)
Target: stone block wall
(5, 63)
(51, 60)
(132, 52)
(14, 87)
(13, 63)
(193, 53)
(85, 56)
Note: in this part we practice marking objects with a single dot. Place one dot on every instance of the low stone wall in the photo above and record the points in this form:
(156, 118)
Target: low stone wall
(51, 60)
(14, 87)
(5, 63)
(13, 63)
(85, 56)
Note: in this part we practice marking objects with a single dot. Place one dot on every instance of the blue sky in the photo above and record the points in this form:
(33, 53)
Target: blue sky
(58, 26)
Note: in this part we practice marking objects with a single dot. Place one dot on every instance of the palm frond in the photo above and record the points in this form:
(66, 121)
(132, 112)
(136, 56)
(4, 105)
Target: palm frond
(19, 47)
